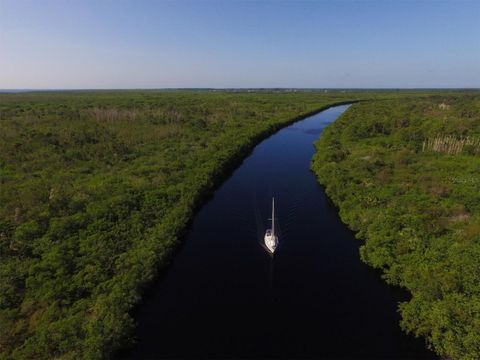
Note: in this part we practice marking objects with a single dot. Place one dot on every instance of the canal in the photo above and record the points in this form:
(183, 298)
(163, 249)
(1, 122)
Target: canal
(224, 296)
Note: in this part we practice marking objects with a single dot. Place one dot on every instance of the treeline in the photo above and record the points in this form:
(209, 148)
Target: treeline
(95, 190)
(417, 212)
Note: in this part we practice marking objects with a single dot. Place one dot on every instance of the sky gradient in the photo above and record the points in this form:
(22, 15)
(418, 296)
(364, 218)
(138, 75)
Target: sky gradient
(54, 44)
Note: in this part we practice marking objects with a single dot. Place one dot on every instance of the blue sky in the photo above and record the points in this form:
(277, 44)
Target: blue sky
(158, 44)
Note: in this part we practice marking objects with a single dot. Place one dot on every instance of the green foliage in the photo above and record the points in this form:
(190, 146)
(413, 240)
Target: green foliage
(97, 187)
(417, 211)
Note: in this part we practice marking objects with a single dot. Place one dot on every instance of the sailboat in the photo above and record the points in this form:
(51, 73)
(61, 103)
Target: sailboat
(271, 239)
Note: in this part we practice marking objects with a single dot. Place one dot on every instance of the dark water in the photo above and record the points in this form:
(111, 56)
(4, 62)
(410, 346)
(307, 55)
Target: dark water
(225, 297)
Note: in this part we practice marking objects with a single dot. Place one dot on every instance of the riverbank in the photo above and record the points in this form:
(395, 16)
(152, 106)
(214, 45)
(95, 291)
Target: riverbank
(98, 188)
(415, 207)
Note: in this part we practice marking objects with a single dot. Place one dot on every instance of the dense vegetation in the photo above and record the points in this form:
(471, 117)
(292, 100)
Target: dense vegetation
(406, 177)
(95, 190)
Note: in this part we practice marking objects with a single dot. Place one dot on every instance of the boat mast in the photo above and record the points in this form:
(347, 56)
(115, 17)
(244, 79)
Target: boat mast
(273, 217)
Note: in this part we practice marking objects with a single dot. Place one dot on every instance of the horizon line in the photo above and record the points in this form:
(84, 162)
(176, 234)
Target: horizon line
(7, 90)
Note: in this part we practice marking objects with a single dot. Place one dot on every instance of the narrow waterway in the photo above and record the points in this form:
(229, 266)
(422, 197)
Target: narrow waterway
(224, 296)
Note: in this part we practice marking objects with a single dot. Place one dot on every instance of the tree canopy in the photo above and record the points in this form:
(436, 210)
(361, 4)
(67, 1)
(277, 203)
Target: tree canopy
(416, 208)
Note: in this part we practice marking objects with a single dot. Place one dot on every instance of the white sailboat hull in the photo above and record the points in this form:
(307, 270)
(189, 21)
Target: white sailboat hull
(271, 242)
